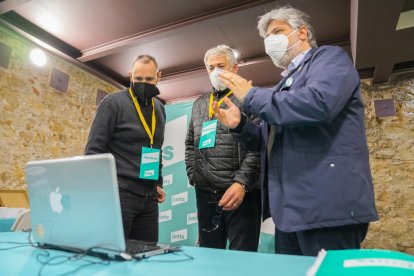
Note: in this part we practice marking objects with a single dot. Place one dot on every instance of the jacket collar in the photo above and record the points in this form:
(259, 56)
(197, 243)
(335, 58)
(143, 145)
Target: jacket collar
(299, 67)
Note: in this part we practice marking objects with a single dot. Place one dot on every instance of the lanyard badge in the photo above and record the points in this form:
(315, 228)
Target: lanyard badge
(208, 135)
(150, 163)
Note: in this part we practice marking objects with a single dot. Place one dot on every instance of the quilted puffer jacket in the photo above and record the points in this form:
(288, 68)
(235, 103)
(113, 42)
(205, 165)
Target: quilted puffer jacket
(217, 168)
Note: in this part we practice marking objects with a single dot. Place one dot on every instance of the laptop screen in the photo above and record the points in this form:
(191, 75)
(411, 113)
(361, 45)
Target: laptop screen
(75, 202)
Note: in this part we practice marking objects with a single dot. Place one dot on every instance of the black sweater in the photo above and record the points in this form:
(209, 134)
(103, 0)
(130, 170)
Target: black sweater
(117, 129)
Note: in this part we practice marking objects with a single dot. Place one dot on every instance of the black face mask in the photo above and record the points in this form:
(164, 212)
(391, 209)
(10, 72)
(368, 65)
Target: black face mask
(144, 91)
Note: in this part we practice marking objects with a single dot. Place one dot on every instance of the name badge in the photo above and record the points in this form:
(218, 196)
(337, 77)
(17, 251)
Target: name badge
(287, 84)
(150, 163)
(208, 135)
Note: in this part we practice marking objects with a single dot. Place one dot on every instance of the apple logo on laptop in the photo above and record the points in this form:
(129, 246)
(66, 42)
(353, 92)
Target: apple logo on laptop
(55, 200)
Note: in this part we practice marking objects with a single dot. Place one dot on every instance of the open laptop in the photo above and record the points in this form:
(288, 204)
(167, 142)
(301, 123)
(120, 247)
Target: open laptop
(75, 206)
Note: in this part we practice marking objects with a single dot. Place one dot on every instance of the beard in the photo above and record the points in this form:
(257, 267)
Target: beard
(287, 57)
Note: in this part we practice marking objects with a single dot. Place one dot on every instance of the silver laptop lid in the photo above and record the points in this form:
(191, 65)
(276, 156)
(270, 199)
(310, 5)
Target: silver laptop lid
(75, 202)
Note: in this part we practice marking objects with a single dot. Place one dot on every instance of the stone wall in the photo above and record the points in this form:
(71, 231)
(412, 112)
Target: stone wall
(39, 122)
(36, 120)
(391, 144)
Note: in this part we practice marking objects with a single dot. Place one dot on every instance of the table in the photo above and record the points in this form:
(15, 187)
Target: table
(6, 224)
(206, 262)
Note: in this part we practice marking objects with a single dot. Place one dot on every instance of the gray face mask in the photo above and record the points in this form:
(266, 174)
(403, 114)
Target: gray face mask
(215, 79)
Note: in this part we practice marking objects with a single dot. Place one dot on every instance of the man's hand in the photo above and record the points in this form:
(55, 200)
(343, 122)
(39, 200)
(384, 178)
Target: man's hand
(233, 197)
(161, 194)
(228, 117)
(237, 84)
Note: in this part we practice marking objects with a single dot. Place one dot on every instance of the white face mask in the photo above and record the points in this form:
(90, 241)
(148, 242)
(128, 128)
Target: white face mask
(276, 46)
(215, 79)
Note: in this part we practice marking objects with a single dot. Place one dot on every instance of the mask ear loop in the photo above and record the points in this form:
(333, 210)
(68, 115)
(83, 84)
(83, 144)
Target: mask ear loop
(293, 43)
(292, 32)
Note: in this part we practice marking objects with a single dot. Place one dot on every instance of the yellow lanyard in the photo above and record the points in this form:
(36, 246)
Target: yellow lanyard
(141, 117)
(210, 107)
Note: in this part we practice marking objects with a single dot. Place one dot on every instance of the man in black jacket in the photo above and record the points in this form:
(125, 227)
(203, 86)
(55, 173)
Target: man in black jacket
(130, 124)
(225, 176)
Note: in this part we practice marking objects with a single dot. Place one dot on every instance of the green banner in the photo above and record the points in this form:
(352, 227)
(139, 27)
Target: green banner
(178, 214)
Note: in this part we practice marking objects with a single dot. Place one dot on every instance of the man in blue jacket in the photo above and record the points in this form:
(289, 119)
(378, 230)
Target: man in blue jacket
(314, 157)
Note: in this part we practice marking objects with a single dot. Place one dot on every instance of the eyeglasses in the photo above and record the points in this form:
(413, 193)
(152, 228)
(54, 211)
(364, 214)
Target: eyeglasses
(215, 221)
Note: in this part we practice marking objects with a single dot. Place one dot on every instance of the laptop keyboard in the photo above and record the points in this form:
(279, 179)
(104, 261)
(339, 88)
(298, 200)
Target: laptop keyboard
(135, 247)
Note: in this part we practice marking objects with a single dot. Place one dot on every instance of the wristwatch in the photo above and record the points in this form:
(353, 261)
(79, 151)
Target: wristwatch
(244, 188)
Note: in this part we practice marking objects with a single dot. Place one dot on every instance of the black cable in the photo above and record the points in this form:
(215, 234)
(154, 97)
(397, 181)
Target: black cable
(13, 247)
(82, 256)
(189, 258)
(77, 257)
(20, 244)
(61, 259)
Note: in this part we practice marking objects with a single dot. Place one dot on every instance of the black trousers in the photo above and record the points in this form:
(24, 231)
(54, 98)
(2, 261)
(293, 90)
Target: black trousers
(139, 216)
(241, 227)
(310, 242)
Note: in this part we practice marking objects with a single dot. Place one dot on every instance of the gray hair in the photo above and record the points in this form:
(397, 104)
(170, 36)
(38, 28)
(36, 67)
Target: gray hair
(294, 17)
(145, 59)
(221, 50)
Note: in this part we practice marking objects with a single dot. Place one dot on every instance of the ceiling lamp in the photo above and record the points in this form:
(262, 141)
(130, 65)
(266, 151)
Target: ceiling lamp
(38, 57)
